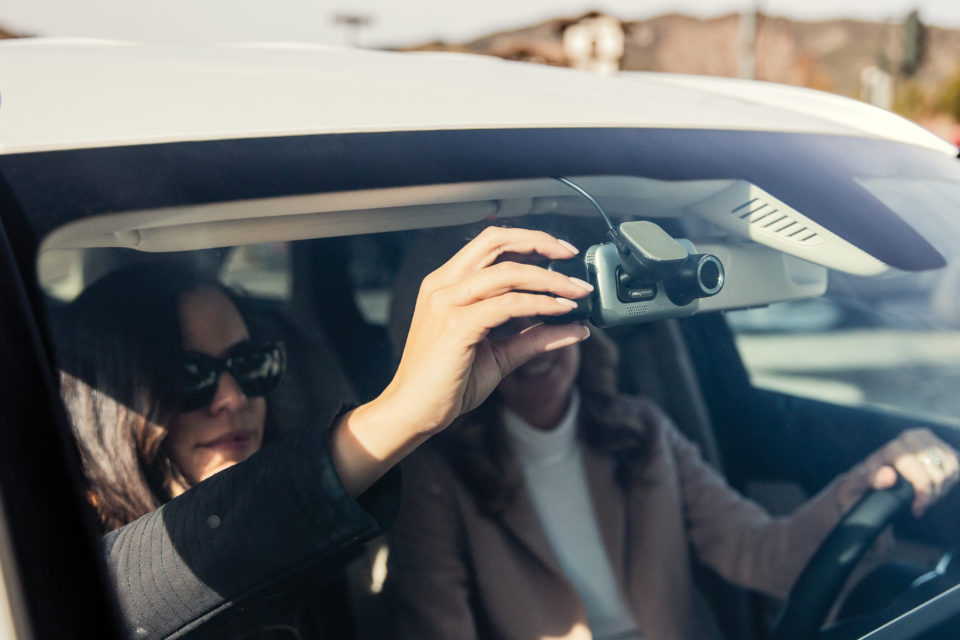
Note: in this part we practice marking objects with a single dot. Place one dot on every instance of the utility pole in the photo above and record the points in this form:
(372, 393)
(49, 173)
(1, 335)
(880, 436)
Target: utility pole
(746, 59)
(353, 22)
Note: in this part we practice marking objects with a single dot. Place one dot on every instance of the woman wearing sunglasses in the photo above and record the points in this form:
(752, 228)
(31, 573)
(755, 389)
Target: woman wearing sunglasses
(156, 413)
(165, 389)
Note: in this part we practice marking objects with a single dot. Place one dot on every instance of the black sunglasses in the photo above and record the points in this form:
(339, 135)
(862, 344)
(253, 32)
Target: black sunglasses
(257, 368)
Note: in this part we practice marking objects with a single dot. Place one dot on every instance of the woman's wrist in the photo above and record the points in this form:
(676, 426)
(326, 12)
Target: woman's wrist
(371, 439)
(853, 484)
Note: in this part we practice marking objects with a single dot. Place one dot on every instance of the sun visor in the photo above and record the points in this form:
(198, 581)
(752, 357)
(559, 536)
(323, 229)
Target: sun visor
(748, 211)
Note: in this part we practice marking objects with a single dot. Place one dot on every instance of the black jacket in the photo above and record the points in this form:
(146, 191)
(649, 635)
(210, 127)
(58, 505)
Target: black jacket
(272, 527)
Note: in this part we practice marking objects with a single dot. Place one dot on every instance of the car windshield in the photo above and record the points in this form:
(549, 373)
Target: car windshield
(601, 448)
(892, 343)
(928, 204)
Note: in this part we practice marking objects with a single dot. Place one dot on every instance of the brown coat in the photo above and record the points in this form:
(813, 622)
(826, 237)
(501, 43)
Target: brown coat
(457, 574)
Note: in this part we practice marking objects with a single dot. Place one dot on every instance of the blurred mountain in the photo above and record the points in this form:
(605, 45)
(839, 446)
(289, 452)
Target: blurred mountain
(829, 55)
(7, 34)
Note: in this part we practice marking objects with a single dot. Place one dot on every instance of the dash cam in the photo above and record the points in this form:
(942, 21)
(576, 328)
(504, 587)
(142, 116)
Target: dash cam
(642, 275)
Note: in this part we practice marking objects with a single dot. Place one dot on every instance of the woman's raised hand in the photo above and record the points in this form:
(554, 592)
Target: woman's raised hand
(450, 364)
(925, 461)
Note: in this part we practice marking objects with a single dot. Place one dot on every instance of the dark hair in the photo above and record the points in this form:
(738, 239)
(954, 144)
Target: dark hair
(117, 347)
(609, 422)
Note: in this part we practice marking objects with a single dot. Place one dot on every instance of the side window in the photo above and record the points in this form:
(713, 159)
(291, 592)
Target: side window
(887, 343)
(262, 270)
(371, 267)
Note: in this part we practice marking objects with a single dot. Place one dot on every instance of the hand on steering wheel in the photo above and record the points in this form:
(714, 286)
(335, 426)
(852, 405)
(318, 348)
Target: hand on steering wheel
(915, 469)
(818, 586)
(925, 461)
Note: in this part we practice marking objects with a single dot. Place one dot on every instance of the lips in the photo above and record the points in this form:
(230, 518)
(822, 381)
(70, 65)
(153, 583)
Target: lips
(232, 441)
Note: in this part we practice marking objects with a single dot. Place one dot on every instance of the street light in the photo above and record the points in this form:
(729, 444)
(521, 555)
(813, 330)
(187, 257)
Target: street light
(353, 23)
(746, 59)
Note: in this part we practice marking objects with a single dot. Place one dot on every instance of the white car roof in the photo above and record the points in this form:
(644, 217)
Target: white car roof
(78, 94)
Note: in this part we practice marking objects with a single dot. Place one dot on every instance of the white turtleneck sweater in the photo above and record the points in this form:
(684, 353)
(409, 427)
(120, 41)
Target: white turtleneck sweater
(553, 470)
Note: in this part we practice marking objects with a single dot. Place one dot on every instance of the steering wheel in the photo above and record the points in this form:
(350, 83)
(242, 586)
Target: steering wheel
(820, 582)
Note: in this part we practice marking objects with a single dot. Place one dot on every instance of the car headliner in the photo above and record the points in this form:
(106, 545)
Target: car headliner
(58, 94)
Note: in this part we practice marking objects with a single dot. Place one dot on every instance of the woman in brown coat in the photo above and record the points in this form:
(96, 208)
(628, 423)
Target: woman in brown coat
(562, 509)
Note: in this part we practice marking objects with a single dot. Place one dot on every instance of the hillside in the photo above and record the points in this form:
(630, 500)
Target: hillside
(827, 55)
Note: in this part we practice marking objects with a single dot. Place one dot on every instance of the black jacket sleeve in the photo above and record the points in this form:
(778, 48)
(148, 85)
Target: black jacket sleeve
(281, 513)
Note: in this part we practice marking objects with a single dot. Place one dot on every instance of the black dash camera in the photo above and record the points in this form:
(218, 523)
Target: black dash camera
(642, 275)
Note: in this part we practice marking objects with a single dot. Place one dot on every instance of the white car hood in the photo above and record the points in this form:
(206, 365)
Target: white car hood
(70, 94)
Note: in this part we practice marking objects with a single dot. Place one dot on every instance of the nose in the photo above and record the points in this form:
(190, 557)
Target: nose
(229, 395)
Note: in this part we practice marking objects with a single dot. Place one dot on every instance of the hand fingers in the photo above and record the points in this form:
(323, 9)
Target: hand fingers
(885, 477)
(513, 352)
(937, 459)
(492, 243)
(931, 454)
(937, 455)
(486, 314)
(509, 276)
(914, 472)
(925, 461)
(899, 455)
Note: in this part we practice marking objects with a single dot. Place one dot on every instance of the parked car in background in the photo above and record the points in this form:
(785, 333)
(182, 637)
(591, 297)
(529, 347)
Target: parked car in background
(309, 176)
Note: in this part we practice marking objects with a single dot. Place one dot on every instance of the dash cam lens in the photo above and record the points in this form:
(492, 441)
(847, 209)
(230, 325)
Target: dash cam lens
(700, 276)
(710, 274)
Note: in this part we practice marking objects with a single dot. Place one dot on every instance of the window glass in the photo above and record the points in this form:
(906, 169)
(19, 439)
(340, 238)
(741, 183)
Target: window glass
(893, 344)
(371, 264)
(61, 272)
(889, 342)
(262, 270)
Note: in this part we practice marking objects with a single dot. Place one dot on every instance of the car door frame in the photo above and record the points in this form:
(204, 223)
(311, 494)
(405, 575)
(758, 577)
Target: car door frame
(58, 576)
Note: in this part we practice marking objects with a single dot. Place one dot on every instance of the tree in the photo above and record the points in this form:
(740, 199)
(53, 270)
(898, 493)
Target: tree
(948, 99)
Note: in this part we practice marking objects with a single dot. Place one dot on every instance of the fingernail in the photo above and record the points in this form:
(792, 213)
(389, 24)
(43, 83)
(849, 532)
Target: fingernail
(567, 303)
(586, 332)
(568, 246)
(581, 283)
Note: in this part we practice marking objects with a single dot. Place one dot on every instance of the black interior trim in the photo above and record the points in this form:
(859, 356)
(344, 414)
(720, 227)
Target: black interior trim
(52, 535)
(812, 173)
(935, 619)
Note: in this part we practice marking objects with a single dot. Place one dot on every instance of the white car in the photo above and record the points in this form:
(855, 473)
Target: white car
(308, 175)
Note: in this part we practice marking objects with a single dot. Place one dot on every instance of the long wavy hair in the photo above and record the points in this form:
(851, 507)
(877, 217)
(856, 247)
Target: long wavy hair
(118, 347)
(609, 423)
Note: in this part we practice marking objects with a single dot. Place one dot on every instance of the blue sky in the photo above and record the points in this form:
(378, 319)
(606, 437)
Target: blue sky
(393, 22)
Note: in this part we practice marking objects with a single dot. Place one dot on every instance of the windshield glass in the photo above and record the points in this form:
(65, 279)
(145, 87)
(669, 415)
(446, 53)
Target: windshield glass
(891, 343)
(928, 204)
